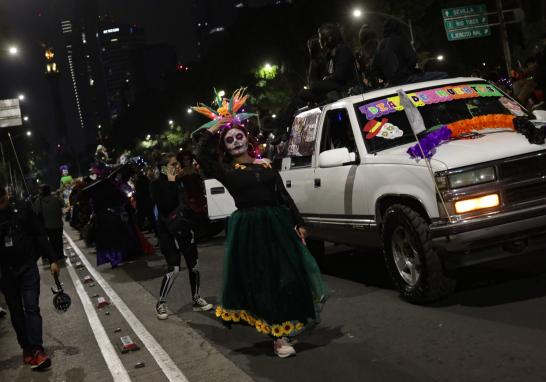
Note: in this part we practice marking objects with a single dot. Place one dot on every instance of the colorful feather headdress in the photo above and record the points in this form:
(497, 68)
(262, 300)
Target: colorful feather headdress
(226, 116)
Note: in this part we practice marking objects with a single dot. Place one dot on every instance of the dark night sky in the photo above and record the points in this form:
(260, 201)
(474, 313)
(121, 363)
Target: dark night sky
(33, 22)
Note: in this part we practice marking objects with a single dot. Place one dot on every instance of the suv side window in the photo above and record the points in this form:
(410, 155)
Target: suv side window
(337, 131)
(300, 146)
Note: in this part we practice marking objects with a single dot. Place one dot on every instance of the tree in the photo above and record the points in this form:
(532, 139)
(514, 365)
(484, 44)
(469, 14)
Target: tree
(170, 140)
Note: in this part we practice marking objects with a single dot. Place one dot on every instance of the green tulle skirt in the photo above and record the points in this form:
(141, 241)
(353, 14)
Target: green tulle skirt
(271, 281)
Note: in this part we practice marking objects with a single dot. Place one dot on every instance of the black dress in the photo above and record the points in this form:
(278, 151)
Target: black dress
(114, 237)
(270, 280)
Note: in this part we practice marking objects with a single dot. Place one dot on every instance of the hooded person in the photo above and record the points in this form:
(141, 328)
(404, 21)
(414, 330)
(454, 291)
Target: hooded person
(395, 61)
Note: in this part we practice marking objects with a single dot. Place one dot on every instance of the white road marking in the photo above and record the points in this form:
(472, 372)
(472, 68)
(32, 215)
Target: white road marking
(164, 361)
(118, 371)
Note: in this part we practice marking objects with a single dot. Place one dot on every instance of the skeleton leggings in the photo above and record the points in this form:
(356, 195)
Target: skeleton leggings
(173, 246)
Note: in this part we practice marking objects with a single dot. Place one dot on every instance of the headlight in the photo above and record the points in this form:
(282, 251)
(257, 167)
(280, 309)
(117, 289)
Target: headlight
(469, 205)
(470, 178)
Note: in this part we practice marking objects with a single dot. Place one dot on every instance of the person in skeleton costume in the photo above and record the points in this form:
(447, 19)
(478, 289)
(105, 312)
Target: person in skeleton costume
(271, 281)
(175, 233)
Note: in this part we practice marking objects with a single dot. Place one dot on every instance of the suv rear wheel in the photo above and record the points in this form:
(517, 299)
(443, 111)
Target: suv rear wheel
(413, 264)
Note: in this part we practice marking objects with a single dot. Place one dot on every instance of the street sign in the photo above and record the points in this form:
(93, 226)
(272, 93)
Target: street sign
(468, 33)
(468, 10)
(10, 113)
(467, 22)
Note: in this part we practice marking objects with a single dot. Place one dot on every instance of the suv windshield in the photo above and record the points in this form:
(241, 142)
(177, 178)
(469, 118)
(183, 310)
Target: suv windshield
(384, 124)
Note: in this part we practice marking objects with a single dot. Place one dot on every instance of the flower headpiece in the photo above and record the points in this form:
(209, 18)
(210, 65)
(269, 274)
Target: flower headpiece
(226, 115)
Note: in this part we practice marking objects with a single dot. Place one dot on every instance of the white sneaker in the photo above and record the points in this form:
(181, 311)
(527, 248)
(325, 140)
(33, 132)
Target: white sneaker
(161, 311)
(283, 348)
(201, 305)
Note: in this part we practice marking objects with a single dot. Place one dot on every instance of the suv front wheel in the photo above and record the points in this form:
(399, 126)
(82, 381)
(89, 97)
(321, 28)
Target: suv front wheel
(413, 264)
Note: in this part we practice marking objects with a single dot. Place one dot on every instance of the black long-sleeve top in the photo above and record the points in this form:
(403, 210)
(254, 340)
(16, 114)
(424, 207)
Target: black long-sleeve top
(167, 195)
(22, 238)
(341, 66)
(251, 185)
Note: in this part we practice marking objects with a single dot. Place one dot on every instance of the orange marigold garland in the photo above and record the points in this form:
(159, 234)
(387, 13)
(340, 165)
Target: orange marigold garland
(490, 121)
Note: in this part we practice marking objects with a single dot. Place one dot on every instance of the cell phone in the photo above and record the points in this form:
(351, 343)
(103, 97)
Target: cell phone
(164, 170)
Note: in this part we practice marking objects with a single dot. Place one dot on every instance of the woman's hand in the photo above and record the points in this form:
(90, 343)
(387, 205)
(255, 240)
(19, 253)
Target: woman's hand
(55, 270)
(302, 233)
(214, 129)
(171, 174)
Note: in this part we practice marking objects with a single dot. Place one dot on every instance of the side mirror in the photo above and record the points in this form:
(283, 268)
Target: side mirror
(335, 157)
(540, 115)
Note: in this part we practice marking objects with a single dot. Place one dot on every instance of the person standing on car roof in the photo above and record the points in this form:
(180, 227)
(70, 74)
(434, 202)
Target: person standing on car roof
(338, 74)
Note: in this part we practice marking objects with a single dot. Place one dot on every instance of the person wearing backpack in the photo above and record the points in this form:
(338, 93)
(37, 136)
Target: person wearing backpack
(22, 240)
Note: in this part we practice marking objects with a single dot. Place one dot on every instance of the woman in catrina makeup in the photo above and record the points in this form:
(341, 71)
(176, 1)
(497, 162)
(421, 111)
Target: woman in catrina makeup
(270, 280)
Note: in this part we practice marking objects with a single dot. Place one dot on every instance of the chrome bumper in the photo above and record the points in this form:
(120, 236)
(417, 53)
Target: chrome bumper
(495, 236)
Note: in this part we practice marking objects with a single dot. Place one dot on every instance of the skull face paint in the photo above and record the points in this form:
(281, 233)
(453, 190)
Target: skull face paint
(236, 142)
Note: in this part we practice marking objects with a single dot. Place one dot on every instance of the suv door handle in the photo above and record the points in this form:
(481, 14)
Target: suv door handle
(217, 190)
(317, 182)
(288, 183)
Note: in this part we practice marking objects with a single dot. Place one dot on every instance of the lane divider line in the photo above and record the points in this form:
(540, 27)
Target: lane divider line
(164, 361)
(118, 371)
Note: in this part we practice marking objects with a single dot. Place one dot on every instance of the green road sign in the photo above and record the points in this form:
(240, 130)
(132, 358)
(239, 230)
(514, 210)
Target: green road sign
(466, 22)
(470, 10)
(468, 33)
(462, 23)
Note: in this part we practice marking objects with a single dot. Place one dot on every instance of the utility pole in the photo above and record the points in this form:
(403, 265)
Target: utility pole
(3, 157)
(504, 38)
(410, 26)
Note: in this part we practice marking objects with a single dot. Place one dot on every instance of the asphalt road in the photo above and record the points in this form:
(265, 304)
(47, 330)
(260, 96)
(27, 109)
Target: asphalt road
(491, 329)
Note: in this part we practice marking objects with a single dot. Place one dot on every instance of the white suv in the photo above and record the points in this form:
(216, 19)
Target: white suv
(347, 168)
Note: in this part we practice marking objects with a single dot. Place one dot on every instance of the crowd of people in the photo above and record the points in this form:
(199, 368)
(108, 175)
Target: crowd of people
(335, 70)
(110, 208)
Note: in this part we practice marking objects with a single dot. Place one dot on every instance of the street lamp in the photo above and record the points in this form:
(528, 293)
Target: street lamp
(29, 133)
(13, 50)
(171, 122)
(357, 13)
(21, 97)
(221, 93)
(190, 110)
(274, 116)
(25, 118)
(440, 57)
(148, 137)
